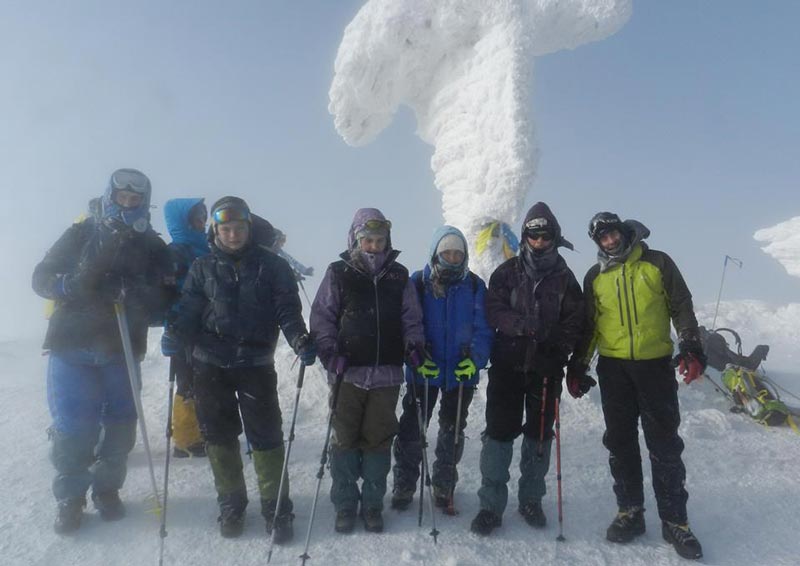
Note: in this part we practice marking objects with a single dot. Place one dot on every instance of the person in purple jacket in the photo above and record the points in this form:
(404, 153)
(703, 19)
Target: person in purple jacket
(367, 321)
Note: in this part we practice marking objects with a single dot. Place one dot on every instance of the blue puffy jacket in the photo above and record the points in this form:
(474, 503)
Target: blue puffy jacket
(455, 325)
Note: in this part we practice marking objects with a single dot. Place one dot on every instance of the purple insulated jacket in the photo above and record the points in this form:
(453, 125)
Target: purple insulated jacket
(326, 313)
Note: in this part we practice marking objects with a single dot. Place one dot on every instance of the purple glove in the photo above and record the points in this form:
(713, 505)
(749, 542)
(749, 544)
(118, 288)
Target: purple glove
(415, 356)
(338, 364)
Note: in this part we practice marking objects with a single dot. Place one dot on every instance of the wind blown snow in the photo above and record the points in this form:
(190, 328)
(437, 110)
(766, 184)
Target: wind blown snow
(465, 68)
(783, 243)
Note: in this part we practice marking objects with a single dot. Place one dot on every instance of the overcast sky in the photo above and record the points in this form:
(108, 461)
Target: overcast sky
(686, 119)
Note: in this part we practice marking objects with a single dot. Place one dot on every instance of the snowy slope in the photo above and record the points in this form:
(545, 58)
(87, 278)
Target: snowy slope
(742, 480)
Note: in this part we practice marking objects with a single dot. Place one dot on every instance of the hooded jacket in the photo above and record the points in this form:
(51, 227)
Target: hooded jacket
(187, 244)
(538, 321)
(84, 272)
(455, 324)
(370, 318)
(630, 303)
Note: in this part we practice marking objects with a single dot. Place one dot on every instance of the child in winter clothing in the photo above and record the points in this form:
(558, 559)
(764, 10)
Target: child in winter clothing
(233, 303)
(537, 307)
(186, 222)
(88, 386)
(458, 340)
(366, 319)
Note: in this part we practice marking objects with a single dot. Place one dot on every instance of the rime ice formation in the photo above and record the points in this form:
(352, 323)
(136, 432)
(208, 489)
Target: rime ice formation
(783, 243)
(465, 68)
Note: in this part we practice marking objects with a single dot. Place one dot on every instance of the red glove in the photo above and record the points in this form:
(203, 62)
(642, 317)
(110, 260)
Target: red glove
(689, 367)
(578, 382)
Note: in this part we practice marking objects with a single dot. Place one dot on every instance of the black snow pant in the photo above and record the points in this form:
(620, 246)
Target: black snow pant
(631, 389)
(221, 393)
(514, 404)
(408, 445)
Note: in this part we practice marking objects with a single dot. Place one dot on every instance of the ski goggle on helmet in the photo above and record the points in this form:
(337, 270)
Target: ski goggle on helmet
(229, 209)
(539, 229)
(602, 223)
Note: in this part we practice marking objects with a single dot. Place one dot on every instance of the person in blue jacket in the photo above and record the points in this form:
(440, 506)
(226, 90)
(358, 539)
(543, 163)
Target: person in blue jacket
(186, 223)
(458, 341)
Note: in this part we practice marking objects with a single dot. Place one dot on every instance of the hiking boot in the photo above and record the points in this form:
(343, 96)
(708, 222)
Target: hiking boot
(373, 520)
(627, 525)
(402, 498)
(197, 450)
(109, 505)
(284, 531)
(533, 514)
(345, 521)
(441, 498)
(231, 522)
(485, 522)
(683, 539)
(68, 515)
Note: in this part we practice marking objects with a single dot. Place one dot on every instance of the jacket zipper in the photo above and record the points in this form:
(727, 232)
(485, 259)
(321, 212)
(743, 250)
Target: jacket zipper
(635, 310)
(377, 321)
(619, 303)
(628, 309)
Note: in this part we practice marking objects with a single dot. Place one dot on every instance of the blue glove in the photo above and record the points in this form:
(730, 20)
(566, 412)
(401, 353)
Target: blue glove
(170, 346)
(306, 349)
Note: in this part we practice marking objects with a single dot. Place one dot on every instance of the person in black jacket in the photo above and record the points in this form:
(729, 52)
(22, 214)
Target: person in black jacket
(536, 305)
(111, 255)
(233, 303)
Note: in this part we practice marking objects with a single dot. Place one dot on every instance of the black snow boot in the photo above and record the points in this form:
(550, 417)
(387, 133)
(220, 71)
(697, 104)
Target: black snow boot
(627, 525)
(231, 521)
(345, 521)
(68, 515)
(284, 531)
(373, 520)
(109, 505)
(683, 539)
(441, 498)
(402, 498)
(533, 514)
(485, 522)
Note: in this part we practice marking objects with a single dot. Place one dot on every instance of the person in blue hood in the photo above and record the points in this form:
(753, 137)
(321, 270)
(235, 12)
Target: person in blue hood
(186, 222)
(88, 387)
(458, 339)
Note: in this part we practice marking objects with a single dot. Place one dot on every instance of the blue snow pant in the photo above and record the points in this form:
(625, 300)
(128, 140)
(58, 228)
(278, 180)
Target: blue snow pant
(408, 445)
(646, 389)
(511, 397)
(94, 423)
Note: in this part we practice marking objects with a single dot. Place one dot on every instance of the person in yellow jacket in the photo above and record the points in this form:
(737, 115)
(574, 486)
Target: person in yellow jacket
(632, 294)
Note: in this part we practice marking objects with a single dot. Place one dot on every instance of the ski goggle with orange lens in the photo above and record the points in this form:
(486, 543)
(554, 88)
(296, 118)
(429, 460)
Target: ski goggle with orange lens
(223, 215)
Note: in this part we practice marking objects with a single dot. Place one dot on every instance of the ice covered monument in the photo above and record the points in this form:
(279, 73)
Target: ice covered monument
(465, 67)
(783, 243)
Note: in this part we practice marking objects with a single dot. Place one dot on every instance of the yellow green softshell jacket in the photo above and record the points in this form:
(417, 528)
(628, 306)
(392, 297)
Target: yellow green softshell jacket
(629, 307)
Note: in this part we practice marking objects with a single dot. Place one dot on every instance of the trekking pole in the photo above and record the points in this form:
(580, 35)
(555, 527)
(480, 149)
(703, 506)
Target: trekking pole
(540, 449)
(133, 376)
(451, 506)
(425, 477)
(323, 460)
(560, 536)
(284, 470)
(163, 530)
(739, 263)
(303, 288)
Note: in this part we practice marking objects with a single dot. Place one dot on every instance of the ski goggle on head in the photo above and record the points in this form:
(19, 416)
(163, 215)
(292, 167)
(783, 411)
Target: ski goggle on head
(538, 229)
(130, 180)
(223, 215)
(376, 226)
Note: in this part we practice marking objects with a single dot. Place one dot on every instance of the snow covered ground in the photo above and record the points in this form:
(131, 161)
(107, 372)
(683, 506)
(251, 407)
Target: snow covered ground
(742, 479)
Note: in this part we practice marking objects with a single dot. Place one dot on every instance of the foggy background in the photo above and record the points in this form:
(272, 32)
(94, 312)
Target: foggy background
(686, 119)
